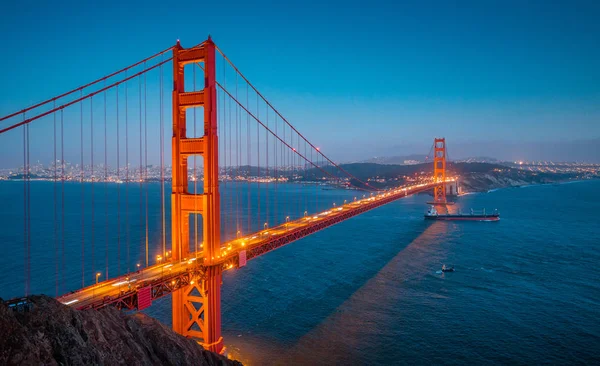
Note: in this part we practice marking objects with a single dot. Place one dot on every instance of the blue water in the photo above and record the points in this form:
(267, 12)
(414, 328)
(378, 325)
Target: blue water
(367, 291)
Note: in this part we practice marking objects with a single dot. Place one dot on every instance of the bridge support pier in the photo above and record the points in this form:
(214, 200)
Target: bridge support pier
(197, 307)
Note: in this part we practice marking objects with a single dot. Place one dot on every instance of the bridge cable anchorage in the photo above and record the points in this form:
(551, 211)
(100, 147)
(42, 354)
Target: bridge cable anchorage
(85, 86)
(287, 122)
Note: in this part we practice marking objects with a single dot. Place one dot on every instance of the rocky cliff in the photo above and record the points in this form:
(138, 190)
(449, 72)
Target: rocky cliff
(50, 333)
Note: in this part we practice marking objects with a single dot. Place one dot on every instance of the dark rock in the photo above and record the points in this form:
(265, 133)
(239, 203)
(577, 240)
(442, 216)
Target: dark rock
(50, 333)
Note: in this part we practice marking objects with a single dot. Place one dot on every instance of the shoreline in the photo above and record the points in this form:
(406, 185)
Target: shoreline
(532, 185)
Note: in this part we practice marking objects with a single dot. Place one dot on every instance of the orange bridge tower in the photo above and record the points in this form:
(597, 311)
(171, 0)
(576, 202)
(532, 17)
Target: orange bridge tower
(439, 171)
(197, 305)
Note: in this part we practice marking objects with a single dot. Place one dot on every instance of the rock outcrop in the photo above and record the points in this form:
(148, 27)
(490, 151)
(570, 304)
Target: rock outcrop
(50, 333)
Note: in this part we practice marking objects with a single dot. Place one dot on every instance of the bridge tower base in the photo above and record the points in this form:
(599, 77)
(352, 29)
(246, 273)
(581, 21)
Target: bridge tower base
(197, 306)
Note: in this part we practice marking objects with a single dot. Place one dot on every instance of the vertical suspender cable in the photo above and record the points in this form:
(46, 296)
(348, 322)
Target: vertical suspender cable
(105, 192)
(162, 164)
(127, 241)
(25, 265)
(276, 175)
(28, 216)
(118, 191)
(258, 160)
(146, 154)
(62, 204)
(267, 164)
(237, 160)
(55, 208)
(140, 175)
(223, 145)
(82, 195)
(92, 179)
(248, 160)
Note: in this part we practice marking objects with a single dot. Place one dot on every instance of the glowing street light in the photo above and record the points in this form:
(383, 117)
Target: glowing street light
(98, 275)
(305, 213)
(238, 234)
(266, 225)
(159, 258)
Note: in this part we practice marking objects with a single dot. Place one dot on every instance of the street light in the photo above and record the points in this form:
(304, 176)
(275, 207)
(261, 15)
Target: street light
(266, 225)
(98, 275)
(305, 213)
(158, 258)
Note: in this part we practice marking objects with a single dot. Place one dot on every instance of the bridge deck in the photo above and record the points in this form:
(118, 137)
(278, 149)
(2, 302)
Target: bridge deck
(164, 278)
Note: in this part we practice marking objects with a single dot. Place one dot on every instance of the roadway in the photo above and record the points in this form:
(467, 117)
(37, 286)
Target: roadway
(255, 244)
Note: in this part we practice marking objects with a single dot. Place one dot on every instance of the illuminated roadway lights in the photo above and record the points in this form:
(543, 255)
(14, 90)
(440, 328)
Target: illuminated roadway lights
(98, 275)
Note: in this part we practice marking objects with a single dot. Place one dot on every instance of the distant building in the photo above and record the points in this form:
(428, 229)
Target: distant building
(411, 162)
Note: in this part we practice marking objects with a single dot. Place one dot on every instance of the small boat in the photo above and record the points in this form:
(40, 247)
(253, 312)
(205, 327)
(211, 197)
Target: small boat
(447, 269)
(432, 214)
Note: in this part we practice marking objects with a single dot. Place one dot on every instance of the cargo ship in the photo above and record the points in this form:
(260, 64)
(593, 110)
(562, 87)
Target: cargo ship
(432, 214)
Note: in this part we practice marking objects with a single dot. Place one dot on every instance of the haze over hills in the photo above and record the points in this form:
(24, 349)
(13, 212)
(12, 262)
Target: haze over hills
(587, 151)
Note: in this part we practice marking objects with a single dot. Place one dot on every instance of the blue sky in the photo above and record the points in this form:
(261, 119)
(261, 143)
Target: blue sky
(386, 76)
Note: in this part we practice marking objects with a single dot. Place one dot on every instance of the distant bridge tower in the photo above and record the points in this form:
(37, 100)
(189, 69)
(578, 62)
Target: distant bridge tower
(197, 306)
(439, 171)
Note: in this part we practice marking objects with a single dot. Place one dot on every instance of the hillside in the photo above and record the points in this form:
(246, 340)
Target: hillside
(50, 333)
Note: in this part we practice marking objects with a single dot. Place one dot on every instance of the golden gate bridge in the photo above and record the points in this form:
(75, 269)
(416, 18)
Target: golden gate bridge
(242, 141)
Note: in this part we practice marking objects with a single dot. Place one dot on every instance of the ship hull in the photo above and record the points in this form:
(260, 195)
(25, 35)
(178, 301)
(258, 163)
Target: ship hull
(463, 217)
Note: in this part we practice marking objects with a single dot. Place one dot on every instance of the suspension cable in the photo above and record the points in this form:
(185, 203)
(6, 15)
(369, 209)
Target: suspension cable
(63, 106)
(285, 120)
(86, 85)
